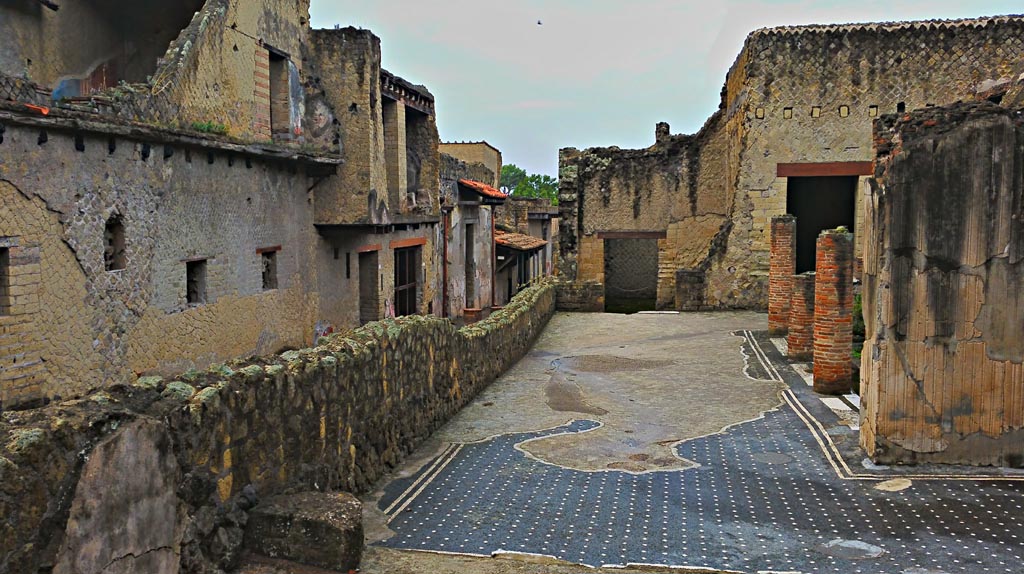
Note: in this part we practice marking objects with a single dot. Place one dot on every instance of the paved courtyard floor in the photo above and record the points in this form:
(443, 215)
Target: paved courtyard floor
(678, 441)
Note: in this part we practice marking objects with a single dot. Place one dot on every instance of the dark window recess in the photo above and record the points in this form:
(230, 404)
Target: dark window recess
(269, 259)
(901, 107)
(280, 103)
(114, 257)
(79, 142)
(348, 265)
(195, 282)
(5, 281)
(407, 265)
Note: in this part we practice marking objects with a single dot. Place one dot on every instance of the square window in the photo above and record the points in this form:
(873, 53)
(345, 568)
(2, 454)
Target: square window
(816, 112)
(759, 113)
(872, 111)
(269, 261)
(195, 282)
(844, 111)
(787, 113)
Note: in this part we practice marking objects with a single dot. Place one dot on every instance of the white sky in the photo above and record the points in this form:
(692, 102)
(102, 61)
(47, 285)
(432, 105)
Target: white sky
(597, 72)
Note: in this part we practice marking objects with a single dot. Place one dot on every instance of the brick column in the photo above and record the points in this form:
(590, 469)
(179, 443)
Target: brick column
(782, 266)
(800, 338)
(833, 312)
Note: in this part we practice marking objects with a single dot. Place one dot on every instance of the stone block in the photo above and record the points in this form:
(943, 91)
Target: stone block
(314, 528)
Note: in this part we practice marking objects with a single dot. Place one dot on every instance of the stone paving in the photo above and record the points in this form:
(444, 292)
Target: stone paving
(784, 492)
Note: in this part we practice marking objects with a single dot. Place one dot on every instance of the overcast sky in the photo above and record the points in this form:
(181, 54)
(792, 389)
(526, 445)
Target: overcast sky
(595, 72)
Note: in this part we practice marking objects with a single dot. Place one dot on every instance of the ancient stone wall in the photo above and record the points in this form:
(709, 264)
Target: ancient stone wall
(85, 324)
(800, 95)
(207, 445)
(476, 152)
(942, 377)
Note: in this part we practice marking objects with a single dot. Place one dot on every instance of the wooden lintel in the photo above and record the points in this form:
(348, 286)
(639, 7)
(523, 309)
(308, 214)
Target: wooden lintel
(825, 169)
(631, 235)
(411, 242)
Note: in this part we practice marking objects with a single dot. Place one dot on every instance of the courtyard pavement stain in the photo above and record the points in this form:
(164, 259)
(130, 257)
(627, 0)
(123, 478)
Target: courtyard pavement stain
(765, 495)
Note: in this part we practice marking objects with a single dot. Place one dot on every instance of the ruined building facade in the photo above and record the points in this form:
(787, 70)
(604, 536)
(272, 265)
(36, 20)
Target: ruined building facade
(202, 182)
(685, 223)
(942, 378)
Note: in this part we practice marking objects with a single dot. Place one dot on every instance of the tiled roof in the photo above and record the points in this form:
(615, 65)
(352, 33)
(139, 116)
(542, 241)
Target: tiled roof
(482, 189)
(518, 241)
(889, 26)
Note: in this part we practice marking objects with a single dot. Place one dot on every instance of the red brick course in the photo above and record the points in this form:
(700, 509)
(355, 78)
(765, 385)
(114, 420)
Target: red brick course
(800, 339)
(833, 313)
(782, 266)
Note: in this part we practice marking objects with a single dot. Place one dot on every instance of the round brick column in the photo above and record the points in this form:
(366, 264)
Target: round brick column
(833, 312)
(781, 267)
(800, 339)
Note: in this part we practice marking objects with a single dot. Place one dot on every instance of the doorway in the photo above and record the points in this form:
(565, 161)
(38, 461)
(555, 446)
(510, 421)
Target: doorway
(819, 203)
(630, 275)
(369, 291)
(407, 266)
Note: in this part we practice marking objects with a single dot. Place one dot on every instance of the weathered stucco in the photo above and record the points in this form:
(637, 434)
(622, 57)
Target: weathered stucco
(794, 95)
(942, 375)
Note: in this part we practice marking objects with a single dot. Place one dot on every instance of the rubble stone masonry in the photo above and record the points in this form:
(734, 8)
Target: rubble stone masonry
(192, 455)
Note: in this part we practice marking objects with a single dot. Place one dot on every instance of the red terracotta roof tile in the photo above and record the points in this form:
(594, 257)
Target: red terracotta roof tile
(482, 189)
(518, 241)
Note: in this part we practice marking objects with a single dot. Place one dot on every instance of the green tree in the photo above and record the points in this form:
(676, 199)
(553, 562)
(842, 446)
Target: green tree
(511, 176)
(515, 181)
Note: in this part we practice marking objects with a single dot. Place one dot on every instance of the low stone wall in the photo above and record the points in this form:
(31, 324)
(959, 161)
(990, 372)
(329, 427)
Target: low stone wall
(196, 453)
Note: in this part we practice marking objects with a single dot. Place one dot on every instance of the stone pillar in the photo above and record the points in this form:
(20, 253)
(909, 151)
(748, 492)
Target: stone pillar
(800, 338)
(782, 266)
(833, 312)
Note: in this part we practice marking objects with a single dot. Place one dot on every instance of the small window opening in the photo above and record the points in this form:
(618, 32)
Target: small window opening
(872, 111)
(146, 150)
(2, 130)
(337, 253)
(195, 282)
(816, 112)
(759, 113)
(269, 270)
(901, 107)
(114, 244)
(79, 143)
(787, 113)
(348, 265)
(111, 145)
(5, 281)
(168, 152)
(844, 111)
(43, 137)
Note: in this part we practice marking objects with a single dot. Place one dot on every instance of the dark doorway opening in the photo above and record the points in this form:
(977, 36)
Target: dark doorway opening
(630, 275)
(369, 292)
(819, 203)
(470, 265)
(407, 266)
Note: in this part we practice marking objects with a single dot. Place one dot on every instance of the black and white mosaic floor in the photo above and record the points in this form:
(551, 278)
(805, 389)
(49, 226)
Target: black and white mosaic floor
(766, 497)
